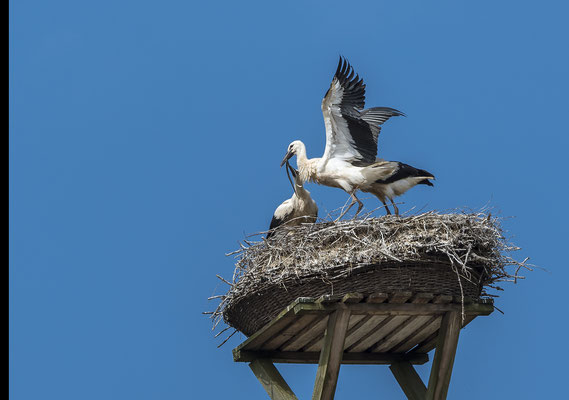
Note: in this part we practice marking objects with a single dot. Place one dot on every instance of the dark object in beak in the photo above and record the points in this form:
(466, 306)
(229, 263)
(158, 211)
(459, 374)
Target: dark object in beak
(288, 156)
(293, 171)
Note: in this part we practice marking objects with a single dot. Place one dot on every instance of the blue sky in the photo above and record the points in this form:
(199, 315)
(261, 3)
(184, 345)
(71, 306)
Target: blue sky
(145, 141)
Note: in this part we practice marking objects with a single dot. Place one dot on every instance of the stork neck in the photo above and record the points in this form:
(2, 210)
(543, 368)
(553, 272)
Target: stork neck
(306, 168)
(301, 158)
(299, 189)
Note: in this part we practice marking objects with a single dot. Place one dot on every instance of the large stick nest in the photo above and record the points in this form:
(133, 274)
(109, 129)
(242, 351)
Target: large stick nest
(331, 250)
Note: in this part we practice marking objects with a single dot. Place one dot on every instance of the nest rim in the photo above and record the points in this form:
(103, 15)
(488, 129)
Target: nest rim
(468, 273)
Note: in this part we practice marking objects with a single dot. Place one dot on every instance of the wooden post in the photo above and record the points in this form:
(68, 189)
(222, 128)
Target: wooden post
(272, 380)
(331, 355)
(396, 333)
(444, 356)
(409, 380)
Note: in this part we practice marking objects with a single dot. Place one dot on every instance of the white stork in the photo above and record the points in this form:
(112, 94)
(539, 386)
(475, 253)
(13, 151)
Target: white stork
(349, 161)
(300, 208)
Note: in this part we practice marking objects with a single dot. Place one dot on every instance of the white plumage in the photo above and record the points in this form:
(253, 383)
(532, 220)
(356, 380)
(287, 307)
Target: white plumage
(300, 208)
(349, 161)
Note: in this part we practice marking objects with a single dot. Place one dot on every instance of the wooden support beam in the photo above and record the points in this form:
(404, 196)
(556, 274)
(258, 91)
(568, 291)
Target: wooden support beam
(352, 298)
(399, 297)
(328, 299)
(386, 309)
(272, 380)
(396, 329)
(312, 357)
(409, 380)
(331, 356)
(444, 356)
(377, 298)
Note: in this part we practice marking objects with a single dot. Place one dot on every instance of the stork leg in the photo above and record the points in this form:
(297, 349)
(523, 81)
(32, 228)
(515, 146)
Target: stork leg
(394, 207)
(386, 207)
(360, 204)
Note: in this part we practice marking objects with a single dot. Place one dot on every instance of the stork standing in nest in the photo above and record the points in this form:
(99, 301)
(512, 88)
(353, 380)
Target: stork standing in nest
(349, 161)
(300, 208)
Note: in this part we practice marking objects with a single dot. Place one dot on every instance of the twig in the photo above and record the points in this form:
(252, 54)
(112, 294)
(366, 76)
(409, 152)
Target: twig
(331, 250)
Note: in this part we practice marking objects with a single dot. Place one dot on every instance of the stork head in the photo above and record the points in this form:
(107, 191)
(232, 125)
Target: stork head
(293, 149)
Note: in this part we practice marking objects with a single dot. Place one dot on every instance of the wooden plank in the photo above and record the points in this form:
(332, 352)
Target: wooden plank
(315, 344)
(352, 298)
(304, 300)
(377, 298)
(362, 330)
(409, 380)
(312, 357)
(442, 299)
(429, 343)
(303, 337)
(429, 326)
(393, 309)
(486, 301)
(327, 303)
(290, 331)
(459, 300)
(383, 328)
(331, 356)
(422, 298)
(272, 380)
(428, 333)
(406, 325)
(409, 325)
(355, 320)
(447, 343)
(308, 333)
(256, 340)
(400, 297)
(328, 299)
(470, 317)
(351, 336)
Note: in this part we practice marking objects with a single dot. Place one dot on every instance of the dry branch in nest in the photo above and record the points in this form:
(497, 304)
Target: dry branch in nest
(470, 245)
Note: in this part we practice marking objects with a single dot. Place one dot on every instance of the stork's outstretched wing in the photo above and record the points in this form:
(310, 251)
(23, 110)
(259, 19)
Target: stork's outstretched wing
(351, 131)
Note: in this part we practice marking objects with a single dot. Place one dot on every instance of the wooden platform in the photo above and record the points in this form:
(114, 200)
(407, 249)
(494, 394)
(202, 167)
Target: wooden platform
(396, 329)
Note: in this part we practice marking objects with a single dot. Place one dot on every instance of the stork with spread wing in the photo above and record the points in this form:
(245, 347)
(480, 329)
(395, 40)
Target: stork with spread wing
(349, 161)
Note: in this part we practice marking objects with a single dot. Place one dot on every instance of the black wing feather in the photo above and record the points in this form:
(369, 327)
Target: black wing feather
(364, 125)
(275, 223)
(354, 88)
(406, 171)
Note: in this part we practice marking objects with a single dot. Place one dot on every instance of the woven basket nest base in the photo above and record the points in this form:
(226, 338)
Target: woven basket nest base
(250, 313)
